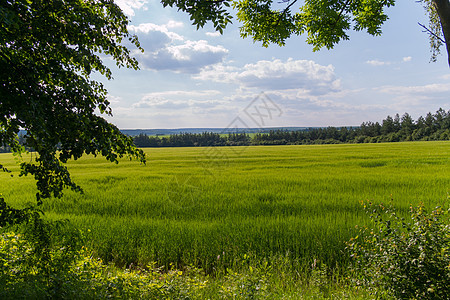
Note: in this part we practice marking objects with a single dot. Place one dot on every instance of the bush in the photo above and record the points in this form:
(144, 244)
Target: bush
(404, 260)
(75, 274)
(35, 258)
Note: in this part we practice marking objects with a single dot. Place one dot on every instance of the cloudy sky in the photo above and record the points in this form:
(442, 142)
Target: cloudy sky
(198, 78)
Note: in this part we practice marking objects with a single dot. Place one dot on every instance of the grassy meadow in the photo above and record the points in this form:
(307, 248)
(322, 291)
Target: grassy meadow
(215, 208)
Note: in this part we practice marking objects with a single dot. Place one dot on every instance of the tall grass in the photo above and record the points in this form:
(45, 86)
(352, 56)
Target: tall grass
(215, 207)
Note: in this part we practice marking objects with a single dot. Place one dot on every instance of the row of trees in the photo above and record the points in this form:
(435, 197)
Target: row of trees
(193, 140)
(392, 129)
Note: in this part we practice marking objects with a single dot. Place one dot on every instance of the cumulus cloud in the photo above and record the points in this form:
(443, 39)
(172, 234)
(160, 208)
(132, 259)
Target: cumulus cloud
(189, 57)
(167, 50)
(150, 28)
(276, 75)
(129, 6)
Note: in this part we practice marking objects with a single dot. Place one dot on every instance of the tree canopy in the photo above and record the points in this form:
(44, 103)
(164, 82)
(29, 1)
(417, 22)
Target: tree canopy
(48, 51)
(324, 22)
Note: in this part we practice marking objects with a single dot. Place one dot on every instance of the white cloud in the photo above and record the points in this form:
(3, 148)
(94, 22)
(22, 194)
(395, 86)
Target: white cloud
(190, 48)
(167, 50)
(416, 99)
(276, 75)
(377, 63)
(129, 6)
(149, 28)
(429, 89)
(174, 24)
(407, 59)
(213, 34)
(219, 73)
(300, 108)
(161, 103)
(188, 57)
(114, 99)
(183, 94)
(178, 99)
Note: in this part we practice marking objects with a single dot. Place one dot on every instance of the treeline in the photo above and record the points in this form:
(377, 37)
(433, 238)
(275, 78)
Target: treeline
(392, 129)
(431, 127)
(193, 140)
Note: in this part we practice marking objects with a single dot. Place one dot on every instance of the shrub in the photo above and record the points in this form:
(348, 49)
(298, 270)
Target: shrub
(404, 259)
(80, 276)
(34, 260)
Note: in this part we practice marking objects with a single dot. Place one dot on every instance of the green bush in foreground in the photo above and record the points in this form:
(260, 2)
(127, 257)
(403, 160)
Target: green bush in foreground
(69, 271)
(405, 259)
(80, 276)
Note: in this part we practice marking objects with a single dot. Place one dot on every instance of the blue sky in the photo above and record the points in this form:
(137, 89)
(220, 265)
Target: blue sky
(197, 78)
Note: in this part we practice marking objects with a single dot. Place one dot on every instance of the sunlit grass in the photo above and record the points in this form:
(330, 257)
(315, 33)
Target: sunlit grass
(211, 206)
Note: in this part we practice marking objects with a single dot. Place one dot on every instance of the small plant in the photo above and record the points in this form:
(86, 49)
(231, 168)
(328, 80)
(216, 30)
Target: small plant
(251, 283)
(405, 259)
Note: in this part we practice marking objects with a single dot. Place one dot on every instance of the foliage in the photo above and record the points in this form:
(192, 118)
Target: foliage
(406, 259)
(12, 216)
(34, 260)
(86, 277)
(325, 23)
(251, 284)
(48, 51)
(204, 139)
(74, 274)
(433, 29)
(203, 11)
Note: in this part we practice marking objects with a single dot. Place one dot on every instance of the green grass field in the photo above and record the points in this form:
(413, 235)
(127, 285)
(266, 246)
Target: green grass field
(215, 207)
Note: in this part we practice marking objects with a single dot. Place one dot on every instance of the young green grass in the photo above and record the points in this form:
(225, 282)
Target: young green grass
(211, 207)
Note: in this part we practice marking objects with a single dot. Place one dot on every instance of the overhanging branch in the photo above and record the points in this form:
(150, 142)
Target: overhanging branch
(284, 12)
(431, 33)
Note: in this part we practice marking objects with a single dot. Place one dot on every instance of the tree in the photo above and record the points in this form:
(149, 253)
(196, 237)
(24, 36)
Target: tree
(388, 126)
(48, 51)
(397, 122)
(324, 22)
(407, 125)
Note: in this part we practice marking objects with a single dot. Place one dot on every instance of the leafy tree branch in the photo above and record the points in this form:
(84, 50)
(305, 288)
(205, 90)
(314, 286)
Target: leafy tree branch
(324, 23)
(48, 52)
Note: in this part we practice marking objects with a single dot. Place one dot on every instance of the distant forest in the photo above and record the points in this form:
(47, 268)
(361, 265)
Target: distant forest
(432, 127)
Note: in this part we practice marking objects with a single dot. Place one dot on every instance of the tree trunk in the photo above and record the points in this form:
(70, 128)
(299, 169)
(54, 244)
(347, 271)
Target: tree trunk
(443, 10)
